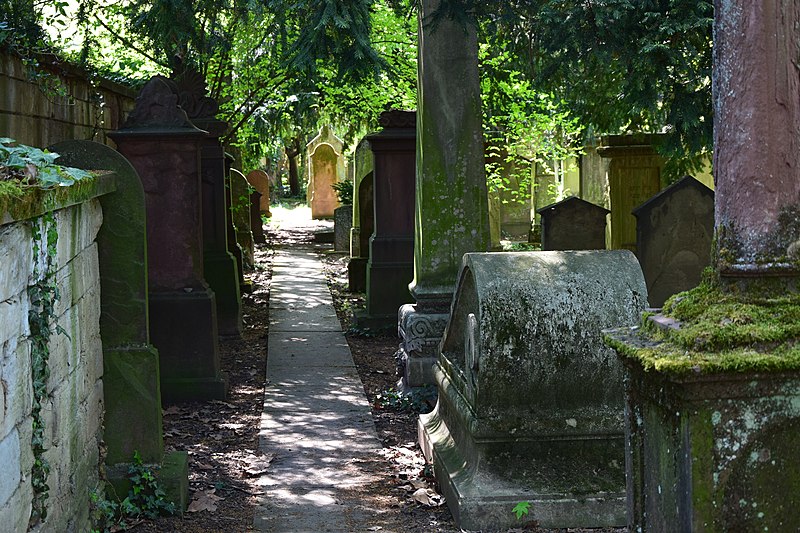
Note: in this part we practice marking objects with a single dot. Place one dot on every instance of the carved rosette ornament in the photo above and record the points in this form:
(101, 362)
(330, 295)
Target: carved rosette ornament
(398, 119)
(157, 107)
(420, 335)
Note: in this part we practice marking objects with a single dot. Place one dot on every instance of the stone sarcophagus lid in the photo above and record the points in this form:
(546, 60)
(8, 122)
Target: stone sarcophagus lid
(530, 400)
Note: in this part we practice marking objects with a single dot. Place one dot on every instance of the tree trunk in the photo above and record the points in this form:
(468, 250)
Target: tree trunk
(292, 151)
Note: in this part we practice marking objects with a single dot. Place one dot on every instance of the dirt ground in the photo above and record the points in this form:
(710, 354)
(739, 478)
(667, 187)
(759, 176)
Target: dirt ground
(222, 437)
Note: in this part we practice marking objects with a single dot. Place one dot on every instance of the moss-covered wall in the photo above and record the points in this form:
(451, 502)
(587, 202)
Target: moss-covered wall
(72, 407)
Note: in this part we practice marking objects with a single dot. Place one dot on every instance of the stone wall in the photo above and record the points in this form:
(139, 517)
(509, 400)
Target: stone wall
(73, 407)
(33, 117)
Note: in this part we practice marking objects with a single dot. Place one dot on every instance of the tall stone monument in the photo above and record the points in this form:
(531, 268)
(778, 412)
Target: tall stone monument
(452, 207)
(219, 265)
(163, 146)
(391, 247)
(713, 381)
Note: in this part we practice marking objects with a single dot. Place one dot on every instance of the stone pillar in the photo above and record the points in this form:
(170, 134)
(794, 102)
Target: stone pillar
(452, 205)
(757, 138)
(391, 248)
(164, 146)
(131, 389)
(219, 265)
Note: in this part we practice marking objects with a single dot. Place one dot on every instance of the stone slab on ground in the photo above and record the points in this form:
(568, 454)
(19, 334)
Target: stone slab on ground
(316, 422)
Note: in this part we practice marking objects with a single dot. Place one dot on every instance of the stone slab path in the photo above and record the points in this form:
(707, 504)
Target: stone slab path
(316, 419)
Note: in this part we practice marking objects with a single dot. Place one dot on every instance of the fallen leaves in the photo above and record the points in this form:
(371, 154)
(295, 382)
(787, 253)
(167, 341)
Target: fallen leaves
(204, 500)
(257, 465)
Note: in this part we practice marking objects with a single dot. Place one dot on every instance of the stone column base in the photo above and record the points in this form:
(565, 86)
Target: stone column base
(172, 475)
(223, 277)
(420, 335)
(357, 274)
(183, 327)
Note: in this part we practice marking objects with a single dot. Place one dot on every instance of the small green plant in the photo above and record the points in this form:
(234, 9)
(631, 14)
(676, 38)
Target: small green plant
(417, 401)
(344, 191)
(32, 167)
(521, 509)
(145, 499)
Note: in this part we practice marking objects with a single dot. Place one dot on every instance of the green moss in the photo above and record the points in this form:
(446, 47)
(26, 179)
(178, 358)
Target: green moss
(719, 330)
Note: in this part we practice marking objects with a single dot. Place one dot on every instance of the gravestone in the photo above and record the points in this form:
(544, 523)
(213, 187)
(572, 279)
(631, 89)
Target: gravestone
(361, 167)
(220, 268)
(452, 207)
(674, 231)
(573, 224)
(256, 224)
(240, 213)
(342, 224)
(634, 175)
(163, 146)
(530, 400)
(325, 167)
(230, 231)
(131, 388)
(390, 267)
(357, 268)
(259, 180)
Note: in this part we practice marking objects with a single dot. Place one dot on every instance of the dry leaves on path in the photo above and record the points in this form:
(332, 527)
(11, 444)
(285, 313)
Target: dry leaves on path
(204, 500)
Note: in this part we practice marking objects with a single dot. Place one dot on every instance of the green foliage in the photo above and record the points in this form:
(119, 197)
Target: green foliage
(43, 294)
(344, 191)
(145, 499)
(521, 509)
(617, 65)
(416, 401)
(33, 167)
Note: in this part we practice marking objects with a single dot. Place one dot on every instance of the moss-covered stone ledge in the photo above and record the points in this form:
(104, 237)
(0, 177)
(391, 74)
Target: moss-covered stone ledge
(710, 330)
(712, 392)
(30, 202)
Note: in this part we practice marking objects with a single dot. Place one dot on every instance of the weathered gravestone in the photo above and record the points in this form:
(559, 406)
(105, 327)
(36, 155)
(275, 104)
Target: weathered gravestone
(530, 400)
(342, 224)
(363, 217)
(256, 224)
(674, 230)
(219, 265)
(259, 180)
(325, 167)
(391, 247)
(240, 214)
(713, 381)
(451, 212)
(131, 389)
(163, 146)
(230, 231)
(634, 175)
(573, 224)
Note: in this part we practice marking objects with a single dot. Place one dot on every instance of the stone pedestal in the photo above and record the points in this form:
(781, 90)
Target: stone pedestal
(452, 206)
(131, 388)
(530, 400)
(391, 247)
(220, 268)
(164, 147)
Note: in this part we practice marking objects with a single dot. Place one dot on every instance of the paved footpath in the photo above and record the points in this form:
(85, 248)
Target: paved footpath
(316, 418)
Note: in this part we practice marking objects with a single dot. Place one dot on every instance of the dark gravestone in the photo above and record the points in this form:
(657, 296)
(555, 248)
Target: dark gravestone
(131, 390)
(256, 224)
(674, 231)
(219, 265)
(391, 248)
(357, 268)
(342, 223)
(163, 146)
(230, 231)
(573, 224)
(240, 212)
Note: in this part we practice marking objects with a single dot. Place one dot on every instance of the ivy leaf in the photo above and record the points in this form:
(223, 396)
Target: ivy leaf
(521, 509)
